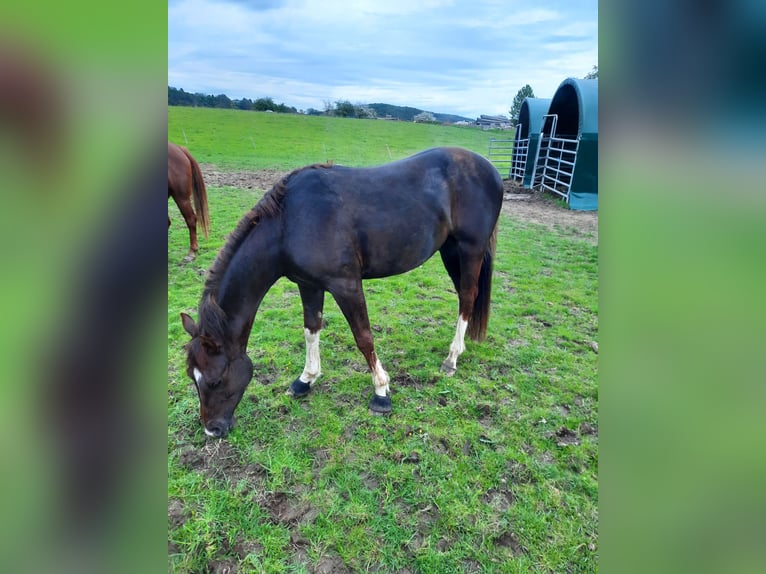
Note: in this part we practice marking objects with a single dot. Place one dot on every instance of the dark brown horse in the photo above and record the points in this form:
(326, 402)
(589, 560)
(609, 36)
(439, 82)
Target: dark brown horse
(184, 182)
(327, 228)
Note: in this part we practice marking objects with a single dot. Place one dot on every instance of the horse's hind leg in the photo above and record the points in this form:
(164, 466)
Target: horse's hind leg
(185, 206)
(464, 272)
(350, 298)
(313, 303)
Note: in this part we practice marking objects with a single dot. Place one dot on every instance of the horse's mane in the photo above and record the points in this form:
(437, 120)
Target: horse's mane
(270, 205)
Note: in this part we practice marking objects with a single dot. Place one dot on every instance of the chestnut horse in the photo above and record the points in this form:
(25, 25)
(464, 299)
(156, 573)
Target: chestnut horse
(184, 182)
(327, 228)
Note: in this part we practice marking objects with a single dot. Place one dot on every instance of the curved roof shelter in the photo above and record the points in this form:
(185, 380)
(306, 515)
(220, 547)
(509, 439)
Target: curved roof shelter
(527, 138)
(569, 151)
(531, 115)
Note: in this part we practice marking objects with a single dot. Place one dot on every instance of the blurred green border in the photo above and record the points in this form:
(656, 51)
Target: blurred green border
(111, 60)
(682, 215)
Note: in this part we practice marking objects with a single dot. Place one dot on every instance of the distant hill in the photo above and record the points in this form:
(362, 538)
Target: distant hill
(406, 113)
(178, 97)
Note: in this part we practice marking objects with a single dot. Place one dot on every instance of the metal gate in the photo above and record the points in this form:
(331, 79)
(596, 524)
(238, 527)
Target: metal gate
(520, 152)
(556, 160)
(501, 155)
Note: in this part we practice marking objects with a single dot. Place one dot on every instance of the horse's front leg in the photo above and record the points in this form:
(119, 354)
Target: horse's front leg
(313, 303)
(350, 299)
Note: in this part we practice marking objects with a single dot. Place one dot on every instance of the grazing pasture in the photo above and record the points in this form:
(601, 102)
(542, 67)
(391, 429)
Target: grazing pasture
(236, 139)
(491, 470)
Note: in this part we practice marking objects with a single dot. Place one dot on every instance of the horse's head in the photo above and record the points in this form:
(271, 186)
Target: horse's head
(221, 376)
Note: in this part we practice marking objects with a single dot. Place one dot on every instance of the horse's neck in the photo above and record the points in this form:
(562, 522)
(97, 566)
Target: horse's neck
(252, 271)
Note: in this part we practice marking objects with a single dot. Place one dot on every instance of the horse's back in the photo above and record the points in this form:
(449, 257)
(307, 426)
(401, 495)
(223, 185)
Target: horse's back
(433, 175)
(389, 219)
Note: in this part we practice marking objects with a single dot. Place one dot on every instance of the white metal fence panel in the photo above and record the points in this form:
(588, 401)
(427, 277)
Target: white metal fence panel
(501, 155)
(520, 154)
(558, 165)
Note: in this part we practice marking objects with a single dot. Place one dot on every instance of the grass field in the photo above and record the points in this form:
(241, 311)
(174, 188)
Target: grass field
(492, 470)
(236, 139)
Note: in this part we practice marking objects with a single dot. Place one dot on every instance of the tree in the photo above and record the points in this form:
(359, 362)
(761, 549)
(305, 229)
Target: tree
(593, 74)
(521, 95)
(424, 117)
(345, 109)
(264, 105)
(221, 101)
(364, 112)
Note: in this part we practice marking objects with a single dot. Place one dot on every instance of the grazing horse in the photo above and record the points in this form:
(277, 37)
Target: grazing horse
(184, 182)
(327, 228)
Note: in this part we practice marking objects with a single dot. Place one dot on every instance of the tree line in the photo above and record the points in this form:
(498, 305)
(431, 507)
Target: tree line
(178, 97)
(338, 108)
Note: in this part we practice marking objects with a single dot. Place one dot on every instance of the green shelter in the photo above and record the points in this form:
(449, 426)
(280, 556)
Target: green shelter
(568, 152)
(527, 139)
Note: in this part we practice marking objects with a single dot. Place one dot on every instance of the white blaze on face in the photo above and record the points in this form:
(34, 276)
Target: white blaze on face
(197, 375)
(207, 432)
(458, 343)
(313, 367)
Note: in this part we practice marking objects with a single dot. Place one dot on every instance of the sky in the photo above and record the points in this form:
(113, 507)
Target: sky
(445, 56)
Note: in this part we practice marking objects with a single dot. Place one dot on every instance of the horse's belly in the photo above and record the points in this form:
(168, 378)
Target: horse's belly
(396, 253)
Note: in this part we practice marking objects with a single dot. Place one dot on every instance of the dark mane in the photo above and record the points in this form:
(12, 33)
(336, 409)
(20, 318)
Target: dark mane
(270, 205)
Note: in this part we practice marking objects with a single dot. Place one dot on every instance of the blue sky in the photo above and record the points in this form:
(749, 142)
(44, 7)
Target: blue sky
(448, 56)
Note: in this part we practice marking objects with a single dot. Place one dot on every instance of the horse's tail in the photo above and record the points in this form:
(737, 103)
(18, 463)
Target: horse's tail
(477, 323)
(200, 195)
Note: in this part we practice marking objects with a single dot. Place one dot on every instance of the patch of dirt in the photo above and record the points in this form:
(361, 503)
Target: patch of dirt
(500, 500)
(426, 518)
(217, 459)
(244, 548)
(221, 567)
(261, 179)
(520, 203)
(177, 514)
(471, 566)
(564, 437)
(519, 473)
(284, 508)
(332, 564)
(510, 541)
(543, 208)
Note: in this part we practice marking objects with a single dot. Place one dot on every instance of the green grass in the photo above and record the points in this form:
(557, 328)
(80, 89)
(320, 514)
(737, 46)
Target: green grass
(492, 470)
(237, 139)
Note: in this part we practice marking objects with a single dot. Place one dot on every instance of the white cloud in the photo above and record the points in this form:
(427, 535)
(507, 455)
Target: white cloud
(443, 55)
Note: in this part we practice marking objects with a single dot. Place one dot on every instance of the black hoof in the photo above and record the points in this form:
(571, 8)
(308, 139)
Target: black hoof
(299, 389)
(380, 405)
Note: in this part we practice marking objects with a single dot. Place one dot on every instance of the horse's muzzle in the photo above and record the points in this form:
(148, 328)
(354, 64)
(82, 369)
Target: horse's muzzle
(218, 428)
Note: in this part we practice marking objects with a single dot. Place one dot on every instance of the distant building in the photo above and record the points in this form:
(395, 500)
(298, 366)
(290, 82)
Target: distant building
(493, 122)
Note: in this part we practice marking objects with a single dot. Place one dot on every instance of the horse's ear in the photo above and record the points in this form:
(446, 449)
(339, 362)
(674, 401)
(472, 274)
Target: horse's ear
(210, 345)
(189, 325)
